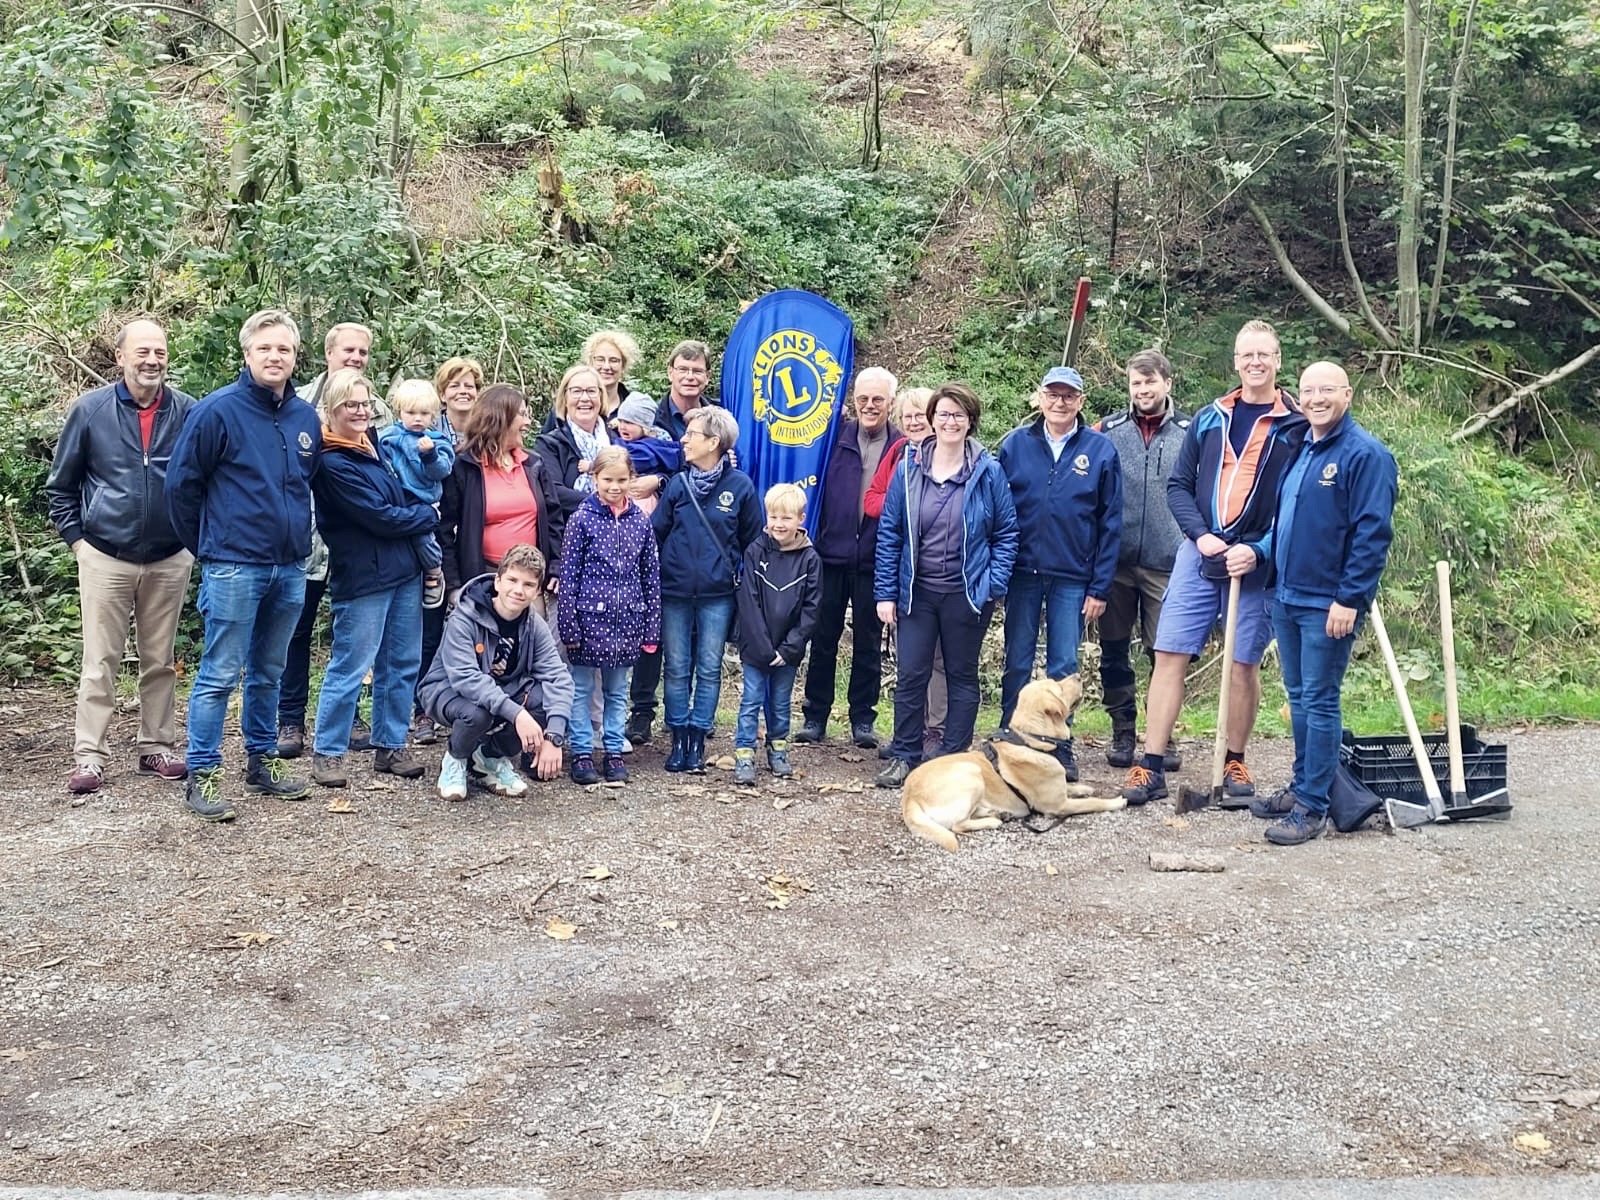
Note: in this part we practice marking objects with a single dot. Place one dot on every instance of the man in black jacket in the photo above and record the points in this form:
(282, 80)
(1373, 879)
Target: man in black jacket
(107, 500)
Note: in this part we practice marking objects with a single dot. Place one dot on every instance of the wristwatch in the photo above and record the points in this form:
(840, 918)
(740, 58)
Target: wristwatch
(558, 740)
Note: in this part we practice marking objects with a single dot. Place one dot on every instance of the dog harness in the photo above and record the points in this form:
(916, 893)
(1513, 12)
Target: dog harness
(1059, 747)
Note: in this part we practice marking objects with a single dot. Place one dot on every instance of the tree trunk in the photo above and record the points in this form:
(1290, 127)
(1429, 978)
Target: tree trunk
(253, 25)
(1408, 241)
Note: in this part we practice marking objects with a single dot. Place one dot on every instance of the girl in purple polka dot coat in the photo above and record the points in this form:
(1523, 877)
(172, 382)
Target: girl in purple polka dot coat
(609, 609)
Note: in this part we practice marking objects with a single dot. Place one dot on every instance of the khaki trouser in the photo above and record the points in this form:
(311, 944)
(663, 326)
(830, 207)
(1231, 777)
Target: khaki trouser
(111, 593)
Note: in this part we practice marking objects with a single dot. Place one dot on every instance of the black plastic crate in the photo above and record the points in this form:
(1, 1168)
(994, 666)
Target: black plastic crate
(1386, 764)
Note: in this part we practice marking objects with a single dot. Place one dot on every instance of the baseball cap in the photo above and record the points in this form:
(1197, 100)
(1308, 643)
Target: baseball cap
(1064, 375)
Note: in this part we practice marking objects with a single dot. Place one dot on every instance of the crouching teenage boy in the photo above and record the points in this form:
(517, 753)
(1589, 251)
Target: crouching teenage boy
(778, 598)
(499, 682)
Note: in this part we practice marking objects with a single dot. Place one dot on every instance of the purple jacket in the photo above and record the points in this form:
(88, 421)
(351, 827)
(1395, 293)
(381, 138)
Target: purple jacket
(845, 538)
(610, 601)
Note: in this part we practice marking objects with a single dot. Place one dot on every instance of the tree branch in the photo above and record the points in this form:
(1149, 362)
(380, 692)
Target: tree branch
(1457, 78)
(1481, 420)
(464, 72)
(149, 5)
(1341, 103)
(1301, 284)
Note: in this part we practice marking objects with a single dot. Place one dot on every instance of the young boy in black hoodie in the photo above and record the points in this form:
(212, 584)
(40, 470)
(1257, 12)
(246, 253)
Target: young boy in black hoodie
(778, 597)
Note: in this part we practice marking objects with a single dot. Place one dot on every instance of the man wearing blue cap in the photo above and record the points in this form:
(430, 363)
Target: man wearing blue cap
(1066, 481)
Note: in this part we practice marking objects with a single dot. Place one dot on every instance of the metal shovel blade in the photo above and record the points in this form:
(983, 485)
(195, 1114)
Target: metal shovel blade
(1495, 805)
(1405, 815)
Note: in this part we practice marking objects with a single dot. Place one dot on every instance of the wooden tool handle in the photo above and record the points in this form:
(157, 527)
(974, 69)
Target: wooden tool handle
(1230, 629)
(1430, 784)
(1452, 703)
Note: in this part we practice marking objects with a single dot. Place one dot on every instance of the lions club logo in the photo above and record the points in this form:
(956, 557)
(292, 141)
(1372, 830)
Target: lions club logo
(1081, 462)
(1330, 472)
(725, 500)
(795, 383)
(305, 440)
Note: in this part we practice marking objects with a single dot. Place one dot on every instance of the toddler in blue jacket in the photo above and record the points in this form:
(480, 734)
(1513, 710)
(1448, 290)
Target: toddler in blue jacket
(652, 451)
(422, 457)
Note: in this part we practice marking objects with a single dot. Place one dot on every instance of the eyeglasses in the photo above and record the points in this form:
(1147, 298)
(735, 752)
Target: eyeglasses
(950, 418)
(1331, 389)
(1064, 397)
(1255, 356)
(357, 405)
(692, 372)
(689, 433)
(578, 391)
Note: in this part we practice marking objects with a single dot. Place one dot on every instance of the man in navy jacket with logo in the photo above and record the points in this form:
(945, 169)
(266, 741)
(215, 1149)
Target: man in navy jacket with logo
(1066, 481)
(1329, 542)
(239, 495)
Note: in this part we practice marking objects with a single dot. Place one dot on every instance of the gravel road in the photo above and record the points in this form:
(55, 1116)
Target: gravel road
(780, 988)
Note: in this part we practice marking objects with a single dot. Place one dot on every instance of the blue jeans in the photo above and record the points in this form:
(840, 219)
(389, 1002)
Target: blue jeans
(250, 612)
(613, 683)
(768, 688)
(1313, 671)
(1062, 603)
(692, 636)
(381, 633)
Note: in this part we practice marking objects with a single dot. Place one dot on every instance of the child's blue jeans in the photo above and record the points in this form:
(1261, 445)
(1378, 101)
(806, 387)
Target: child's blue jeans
(769, 688)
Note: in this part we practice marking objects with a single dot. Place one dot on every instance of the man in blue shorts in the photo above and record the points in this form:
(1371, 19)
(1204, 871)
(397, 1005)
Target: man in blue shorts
(1223, 491)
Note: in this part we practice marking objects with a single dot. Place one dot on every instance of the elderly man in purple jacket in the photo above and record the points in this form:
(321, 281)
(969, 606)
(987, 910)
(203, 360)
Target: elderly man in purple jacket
(847, 541)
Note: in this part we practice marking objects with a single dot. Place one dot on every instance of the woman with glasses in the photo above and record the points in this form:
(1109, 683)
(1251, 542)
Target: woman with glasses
(610, 352)
(576, 435)
(371, 526)
(946, 544)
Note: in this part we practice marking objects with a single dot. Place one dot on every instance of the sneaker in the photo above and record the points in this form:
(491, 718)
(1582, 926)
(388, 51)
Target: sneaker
(616, 769)
(1143, 785)
(1237, 786)
(86, 778)
(291, 741)
(499, 775)
(1120, 753)
(627, 746)
(269, 774)
(637, 729)
(167, 766)
(1301, 825)
(452, 778)
(1172, 761)
(433, 589)
(424, 731)
(744, 766)
(583, 771)
(893, 775)
(778, 759)
(932, 739)
(811, 732)
(203, 796)
(863, 735)
(360, 735)
(327, 770)
(1280, 804)
(399, 763)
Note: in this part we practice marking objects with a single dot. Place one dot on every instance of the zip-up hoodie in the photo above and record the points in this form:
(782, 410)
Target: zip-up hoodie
(779, 596)
(988, 529)
(1069, 509)
(1334, 524)
(701, 563)
(422, 473)
(538, 679)
(104, 486)
(367, 518)
(1150, 535)
(239, 483)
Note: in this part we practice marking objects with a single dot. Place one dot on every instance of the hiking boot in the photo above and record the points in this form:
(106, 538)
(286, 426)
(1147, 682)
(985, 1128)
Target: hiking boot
(269, 775)
(291, 741)
(616, 769)
(863, 735)
(1280, 804)
(452, 778)
(694, 750)
(399, 763)
(637, 729)
(1301, 825)
(893, 775)
(1120, 752)
(932, 739)
(1068, 761)
(360, 735)
(744, 766)
(1238, 788)
(499, 775)
(327, 770)
(424, 730)
(163, 765)
(678, 759)
(1144, 785)
(203, 796)
(812, 732)
(778, 759)
(583, 771)
(433, 589)
(86, 778)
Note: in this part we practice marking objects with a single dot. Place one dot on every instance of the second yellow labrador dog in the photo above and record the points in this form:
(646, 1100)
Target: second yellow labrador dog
(963, 792)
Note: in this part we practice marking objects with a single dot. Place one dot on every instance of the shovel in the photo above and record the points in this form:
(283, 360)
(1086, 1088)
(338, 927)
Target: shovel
(1462, 807)
(1402, 813)
(1190, 798)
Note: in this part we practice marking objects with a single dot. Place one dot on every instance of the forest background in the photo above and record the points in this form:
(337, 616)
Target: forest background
(1407, 186)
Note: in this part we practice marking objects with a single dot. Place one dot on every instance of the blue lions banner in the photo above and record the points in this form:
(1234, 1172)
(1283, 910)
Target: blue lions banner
(784, 377)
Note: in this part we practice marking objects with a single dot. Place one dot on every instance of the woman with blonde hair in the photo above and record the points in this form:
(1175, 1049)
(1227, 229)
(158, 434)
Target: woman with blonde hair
(576, 434)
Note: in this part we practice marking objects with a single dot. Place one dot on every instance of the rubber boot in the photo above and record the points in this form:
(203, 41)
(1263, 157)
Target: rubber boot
(696, 752)
(678, 757)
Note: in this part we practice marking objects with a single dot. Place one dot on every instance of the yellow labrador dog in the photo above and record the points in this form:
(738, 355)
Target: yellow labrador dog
(963, 792)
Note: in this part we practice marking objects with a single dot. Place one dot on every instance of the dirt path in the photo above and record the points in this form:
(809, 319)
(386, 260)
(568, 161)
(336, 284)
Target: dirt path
(373, 1000)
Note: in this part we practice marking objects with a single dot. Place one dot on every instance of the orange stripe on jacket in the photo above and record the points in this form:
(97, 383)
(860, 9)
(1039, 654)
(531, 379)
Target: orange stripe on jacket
(1237, 479)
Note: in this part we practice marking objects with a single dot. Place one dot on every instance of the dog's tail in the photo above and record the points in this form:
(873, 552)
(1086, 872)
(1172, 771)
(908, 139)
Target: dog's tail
(918, 821)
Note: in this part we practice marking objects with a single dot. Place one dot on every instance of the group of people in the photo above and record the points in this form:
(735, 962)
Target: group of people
(531, 594)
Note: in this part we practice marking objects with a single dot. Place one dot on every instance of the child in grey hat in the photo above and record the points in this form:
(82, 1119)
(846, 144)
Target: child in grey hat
(651, 448)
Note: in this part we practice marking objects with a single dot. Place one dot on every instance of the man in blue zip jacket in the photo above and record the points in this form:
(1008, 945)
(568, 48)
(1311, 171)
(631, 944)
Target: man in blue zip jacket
(1329, 542)
(1066, 481)
(239, 495)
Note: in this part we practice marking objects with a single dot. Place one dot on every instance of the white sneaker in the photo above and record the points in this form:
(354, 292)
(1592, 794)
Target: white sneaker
(452, 778)
(627, 746)
(499, 776)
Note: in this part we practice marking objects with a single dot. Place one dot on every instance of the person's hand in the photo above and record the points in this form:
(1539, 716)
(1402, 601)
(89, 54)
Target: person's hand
(1210, 545)
(531, 733)
(547, 762)
(1093, 606)
(553, 586)
(75, 547)
(777, 660)
(572, 648)
(451, 598)
(583, 466)
(1241, 559)
(424, 443)
(1341, 621)
(642, 487)
(886, 612)
(649, 647)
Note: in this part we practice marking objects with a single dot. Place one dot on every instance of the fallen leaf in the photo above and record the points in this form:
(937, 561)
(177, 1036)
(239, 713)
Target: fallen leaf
(341, 804)
(852, 758)
(13, 1054)
(671, 1087)
(1175, 822)
(783, 802)
(854, 785)
(781, 888)
(561, 930)
(1531, 1143)
(725, 763)
(253, 937)
(725, 798)
(389, 946)
(666, 923)
(693, 791)
(597, 872)
(1050, 869)
(380, 785)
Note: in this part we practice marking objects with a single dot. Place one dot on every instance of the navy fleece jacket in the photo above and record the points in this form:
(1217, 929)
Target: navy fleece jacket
(1069, 509)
